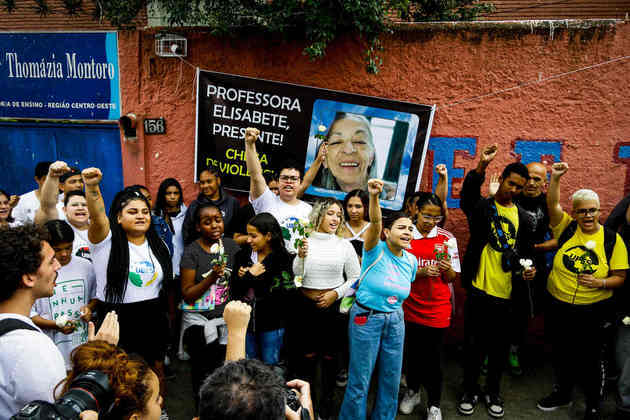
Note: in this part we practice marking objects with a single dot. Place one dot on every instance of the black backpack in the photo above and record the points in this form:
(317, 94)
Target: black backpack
(11, 324)
(610, 238)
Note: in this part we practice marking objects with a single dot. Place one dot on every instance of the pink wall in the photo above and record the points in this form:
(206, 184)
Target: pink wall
(583, 118)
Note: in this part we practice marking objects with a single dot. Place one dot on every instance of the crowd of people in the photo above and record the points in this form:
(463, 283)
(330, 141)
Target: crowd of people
(221, 285)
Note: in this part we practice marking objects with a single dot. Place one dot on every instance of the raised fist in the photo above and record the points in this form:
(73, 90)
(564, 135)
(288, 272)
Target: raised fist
(58, 168)
(559, 169)
(375, 186)
(251, 135)
(91, 176)
(236, 315)
(441, 170)
(489, 152)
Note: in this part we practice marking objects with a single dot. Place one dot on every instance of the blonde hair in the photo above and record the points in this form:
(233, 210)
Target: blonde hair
(584, 195)
(320, 208)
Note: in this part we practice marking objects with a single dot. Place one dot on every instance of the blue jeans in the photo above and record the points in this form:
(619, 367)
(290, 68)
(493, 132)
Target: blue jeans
(265, 346)
(381, 337)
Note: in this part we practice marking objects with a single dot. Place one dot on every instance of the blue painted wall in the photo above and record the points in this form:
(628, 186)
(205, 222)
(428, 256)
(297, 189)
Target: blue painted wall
(22, 145)
(444, 149)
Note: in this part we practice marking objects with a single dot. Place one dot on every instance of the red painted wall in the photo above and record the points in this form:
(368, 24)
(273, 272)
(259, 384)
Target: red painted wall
(588, 112)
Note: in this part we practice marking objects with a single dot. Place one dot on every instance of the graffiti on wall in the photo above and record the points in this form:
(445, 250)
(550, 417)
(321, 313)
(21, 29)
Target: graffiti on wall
(448, 150)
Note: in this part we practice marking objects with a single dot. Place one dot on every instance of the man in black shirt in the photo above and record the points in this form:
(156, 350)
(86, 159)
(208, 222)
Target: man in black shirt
(533, 200)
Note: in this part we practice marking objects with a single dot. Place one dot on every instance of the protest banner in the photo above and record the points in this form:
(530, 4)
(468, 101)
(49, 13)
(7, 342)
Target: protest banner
(367, 137)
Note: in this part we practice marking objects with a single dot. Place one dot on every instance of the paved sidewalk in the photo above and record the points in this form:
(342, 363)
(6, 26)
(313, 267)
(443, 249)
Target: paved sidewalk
(520, 394)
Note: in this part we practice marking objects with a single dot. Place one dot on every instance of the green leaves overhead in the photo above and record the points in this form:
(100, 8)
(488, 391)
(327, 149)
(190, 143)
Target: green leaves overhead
(318, 22)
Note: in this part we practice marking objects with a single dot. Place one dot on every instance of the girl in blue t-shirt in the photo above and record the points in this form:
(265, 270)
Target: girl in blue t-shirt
(376, 327)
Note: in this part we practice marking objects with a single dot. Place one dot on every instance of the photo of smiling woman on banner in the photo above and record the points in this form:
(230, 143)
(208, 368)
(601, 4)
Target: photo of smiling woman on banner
(350, 156)
(361, 143)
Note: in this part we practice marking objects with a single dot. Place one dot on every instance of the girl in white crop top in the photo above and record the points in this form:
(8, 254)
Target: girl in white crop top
(322, 261)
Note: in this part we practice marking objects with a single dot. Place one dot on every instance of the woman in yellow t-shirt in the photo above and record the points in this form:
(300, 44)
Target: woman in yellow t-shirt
(579, 286)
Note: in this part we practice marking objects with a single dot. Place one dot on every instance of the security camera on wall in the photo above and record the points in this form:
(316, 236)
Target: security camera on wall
(128, 124)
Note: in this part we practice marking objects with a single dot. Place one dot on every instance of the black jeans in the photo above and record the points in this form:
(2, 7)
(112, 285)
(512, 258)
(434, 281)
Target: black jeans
(577, 337)
(486, 328)
(423, 348)
(204, 358)
(321, 336)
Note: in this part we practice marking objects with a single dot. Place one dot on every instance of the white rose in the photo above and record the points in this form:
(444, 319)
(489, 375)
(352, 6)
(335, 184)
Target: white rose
(62, 320)
(526, 263)
(451, 243)
(626, 320)
(215, 248)
(297, 280)
(321, 128)
(590, 245)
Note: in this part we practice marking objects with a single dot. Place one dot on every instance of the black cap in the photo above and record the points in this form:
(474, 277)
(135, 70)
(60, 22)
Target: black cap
(72, 172)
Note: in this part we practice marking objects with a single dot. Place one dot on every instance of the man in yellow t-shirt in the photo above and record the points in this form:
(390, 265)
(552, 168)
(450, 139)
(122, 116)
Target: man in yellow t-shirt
(497, 229)
(580, 304)
(490, 276)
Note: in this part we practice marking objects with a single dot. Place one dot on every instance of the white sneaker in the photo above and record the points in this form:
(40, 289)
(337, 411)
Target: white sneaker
(409, 402)
(434, 413)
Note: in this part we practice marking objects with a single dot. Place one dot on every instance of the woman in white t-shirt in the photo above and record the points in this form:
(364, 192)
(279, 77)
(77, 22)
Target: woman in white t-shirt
(132, 265)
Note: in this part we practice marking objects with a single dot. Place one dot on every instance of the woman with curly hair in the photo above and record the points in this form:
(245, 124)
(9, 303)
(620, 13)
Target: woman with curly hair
(322, 261)
(135, 387)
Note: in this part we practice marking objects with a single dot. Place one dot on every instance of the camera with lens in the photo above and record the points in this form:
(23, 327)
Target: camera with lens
(292, 399)
(88, 391)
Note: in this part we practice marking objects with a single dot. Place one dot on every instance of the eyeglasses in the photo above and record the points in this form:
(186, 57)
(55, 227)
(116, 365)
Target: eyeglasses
(586, 212)
(287, 178)
(432, 218)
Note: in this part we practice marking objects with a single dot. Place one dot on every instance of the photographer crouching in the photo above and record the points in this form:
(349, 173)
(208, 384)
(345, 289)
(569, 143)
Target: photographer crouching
(30, 363)
(247, 388)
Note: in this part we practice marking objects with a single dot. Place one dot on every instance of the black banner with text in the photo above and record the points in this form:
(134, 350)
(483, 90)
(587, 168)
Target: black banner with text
(366, 137)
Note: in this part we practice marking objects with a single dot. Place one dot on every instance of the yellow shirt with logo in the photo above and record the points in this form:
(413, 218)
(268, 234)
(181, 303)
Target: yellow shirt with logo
(490, 276)
(574, 258)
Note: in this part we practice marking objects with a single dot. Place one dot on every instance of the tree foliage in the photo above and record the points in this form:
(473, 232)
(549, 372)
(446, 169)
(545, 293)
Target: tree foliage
(319, 22)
